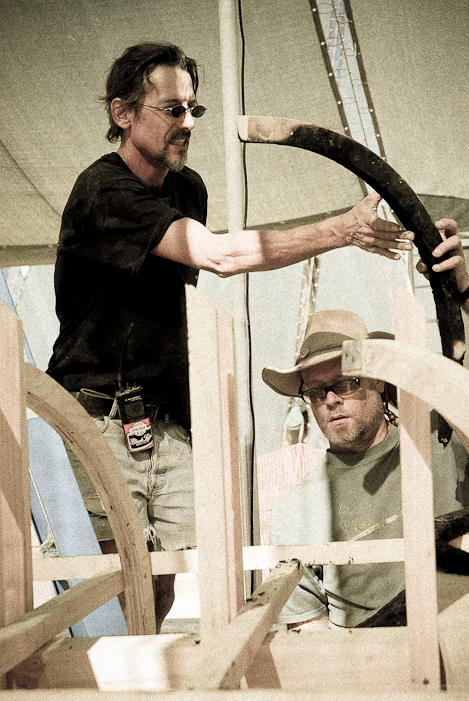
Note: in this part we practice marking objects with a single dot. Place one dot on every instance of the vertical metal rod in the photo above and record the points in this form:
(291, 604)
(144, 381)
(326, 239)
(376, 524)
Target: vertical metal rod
(239, 288)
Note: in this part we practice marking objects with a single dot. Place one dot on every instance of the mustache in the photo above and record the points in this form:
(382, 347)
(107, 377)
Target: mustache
(178, 134)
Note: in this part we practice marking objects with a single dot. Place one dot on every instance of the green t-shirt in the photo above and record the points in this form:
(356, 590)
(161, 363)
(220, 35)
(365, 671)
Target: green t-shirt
(351, 496)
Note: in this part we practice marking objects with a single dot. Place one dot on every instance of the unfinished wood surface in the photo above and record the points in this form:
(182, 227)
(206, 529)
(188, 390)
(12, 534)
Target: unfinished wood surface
(401, 693)
(20, 639)
(436, 380)
(255, 557)
(164, 662)
(60, 410)
(16, 589)
(453, 625)
(361, 661)
(228, 654)
(417, 507)
(215, 456)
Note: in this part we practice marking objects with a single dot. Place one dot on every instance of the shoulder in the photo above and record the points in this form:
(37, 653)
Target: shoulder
(107, 173)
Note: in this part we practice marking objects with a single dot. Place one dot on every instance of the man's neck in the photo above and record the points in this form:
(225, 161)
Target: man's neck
(153, 176)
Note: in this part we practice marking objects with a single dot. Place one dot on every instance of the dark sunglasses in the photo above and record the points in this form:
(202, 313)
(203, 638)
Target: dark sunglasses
(179, 110)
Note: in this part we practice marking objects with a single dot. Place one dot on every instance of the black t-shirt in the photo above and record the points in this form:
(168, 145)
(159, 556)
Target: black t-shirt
(120, 307)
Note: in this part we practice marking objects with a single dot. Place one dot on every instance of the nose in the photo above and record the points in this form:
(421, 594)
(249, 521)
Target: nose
(332, 398)
(188, 121)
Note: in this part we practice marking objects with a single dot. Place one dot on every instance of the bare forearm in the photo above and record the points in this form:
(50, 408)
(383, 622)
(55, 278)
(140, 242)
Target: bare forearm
(187, 241)
(250, 251)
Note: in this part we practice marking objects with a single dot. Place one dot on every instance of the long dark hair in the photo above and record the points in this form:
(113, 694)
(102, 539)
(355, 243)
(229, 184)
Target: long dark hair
(128, 76)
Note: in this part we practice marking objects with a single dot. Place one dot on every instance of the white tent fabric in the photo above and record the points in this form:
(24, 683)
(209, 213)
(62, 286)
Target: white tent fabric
(55, 56)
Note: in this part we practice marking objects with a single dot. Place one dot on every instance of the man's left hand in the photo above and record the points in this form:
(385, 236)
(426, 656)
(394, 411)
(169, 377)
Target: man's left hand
(451, 243)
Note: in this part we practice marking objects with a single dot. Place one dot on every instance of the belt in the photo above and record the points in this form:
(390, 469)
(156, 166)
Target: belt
(95, 403)
(99, 404)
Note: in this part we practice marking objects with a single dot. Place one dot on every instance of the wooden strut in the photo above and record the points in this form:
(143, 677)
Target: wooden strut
(406, 205)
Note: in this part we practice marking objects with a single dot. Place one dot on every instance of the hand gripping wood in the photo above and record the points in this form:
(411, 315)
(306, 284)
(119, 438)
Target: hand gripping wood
(406, 205)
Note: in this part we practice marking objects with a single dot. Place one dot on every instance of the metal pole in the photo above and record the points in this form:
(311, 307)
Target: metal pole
(239, 290)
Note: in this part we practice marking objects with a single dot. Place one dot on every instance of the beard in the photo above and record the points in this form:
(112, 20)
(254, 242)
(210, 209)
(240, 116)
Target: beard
(173, 164)
(361, 432)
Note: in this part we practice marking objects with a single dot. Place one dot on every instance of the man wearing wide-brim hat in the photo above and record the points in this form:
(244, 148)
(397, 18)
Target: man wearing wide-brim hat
(355, 492)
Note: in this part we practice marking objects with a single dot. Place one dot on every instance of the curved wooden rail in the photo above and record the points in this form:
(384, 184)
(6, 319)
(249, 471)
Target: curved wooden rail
(60, 410)
(436, 380)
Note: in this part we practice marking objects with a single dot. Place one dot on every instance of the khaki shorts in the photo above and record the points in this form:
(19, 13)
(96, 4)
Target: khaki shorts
(160, 480)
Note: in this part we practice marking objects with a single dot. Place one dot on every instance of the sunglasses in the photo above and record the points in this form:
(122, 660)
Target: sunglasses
(179, 110)
(344, 388)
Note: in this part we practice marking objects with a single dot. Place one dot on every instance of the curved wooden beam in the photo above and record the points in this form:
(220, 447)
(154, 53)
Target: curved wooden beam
(431, 377)
(60, 410)
(389, 184)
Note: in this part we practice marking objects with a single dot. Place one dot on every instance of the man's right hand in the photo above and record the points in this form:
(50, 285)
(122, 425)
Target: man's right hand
(363, 228)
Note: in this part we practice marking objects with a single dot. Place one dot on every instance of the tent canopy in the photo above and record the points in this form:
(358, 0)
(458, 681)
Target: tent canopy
(55, 57)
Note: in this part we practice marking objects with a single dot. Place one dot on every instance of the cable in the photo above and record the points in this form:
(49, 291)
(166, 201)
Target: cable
(245, 218)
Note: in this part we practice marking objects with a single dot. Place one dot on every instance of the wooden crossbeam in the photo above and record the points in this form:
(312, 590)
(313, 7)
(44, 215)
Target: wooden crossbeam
(228, 654)
(23, 637)
(255, 557)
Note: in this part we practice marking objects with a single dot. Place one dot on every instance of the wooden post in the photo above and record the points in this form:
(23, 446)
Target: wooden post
(16, 593)
(215, 454)
(417, 508)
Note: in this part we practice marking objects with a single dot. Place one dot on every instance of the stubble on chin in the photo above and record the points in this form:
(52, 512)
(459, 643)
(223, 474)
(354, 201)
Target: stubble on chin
(176, 164)
(357, 435)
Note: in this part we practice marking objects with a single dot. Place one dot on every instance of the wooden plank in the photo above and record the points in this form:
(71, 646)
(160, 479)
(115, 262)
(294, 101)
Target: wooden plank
(453, 626)
(402, 693)
(255, 557)
(23, 637)
(417, 508)
(338, 553)
(16, 589)
(231, 465)
(211, 377)
(61, 411)
(228, 654)
(285, 660)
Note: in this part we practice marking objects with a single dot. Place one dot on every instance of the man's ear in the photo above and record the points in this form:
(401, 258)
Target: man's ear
(121, 113)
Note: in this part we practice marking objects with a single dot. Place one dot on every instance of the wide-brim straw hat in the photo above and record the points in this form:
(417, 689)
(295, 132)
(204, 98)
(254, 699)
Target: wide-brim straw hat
(325, 333)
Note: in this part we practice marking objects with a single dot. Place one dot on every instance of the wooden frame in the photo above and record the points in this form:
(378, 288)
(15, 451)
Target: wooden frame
(235, 649)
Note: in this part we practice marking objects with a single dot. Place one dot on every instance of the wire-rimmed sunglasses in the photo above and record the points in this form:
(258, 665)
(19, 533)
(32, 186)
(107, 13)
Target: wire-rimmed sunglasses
(344, 388)
(179, 110)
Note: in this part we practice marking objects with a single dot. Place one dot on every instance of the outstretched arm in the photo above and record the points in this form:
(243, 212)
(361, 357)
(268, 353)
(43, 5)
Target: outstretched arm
(187, 241)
